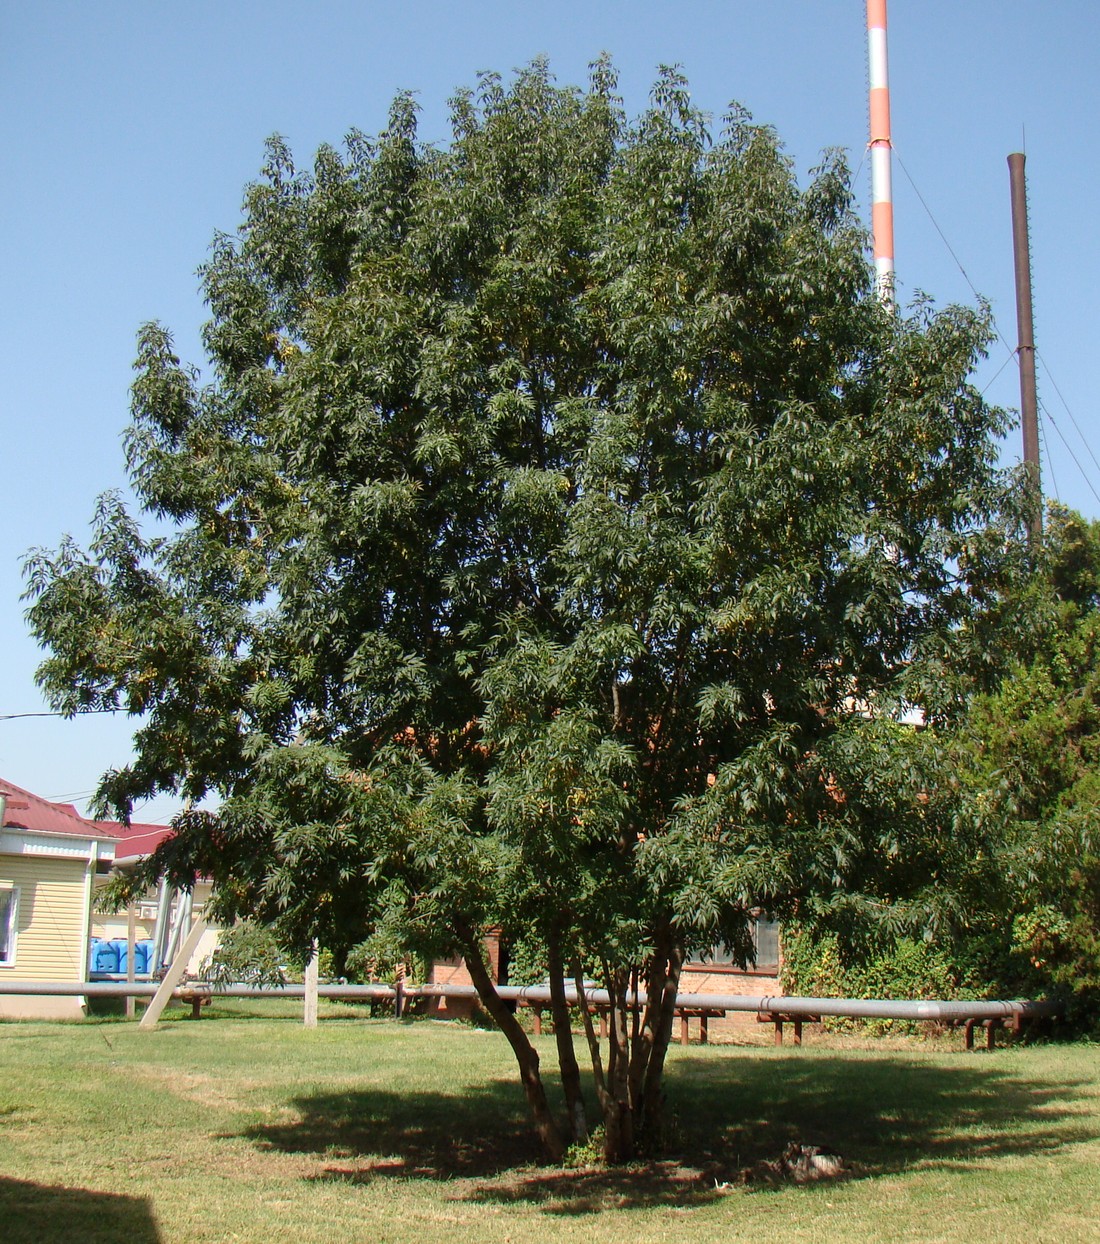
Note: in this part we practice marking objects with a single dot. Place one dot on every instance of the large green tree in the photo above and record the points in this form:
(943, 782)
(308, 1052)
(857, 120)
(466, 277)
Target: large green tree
(554, 505)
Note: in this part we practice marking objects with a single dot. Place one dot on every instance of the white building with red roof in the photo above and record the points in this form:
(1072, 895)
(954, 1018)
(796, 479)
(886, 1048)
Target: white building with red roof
(50, 857)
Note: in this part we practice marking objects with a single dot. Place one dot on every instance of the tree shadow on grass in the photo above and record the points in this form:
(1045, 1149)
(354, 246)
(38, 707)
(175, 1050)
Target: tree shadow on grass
(34, 1213)
(474, 1131)
(882, 1117)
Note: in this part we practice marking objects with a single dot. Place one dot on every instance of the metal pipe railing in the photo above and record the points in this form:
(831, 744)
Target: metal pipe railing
(767, 1004)
(146, 989)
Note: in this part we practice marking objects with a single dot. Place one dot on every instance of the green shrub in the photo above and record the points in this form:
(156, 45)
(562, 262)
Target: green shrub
(904, 968)
(527, 963)
(246, 953)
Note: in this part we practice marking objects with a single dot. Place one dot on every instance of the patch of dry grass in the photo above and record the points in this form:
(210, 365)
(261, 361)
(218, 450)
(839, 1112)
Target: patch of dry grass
(255, 1129)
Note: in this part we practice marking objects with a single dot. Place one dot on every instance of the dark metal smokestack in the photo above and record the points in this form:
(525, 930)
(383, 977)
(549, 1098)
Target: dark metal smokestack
(1025, 351)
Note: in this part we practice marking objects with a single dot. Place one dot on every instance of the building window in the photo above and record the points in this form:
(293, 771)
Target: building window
(765, 940)
(9, 905)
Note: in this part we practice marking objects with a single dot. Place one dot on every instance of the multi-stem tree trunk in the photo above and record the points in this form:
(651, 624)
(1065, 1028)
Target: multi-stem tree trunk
(630, 1086)
(563, 1034)
(618, 1113)
(526, 1055)
(631, 1094)
(647, 1076)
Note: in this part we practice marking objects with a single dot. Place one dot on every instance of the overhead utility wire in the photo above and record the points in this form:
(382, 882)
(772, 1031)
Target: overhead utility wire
(1069, 412)
(859, 168)
(84, 712)
(951, 252)
(1076, 460)
(1047, 457)
(989, 383)
(1012, 353)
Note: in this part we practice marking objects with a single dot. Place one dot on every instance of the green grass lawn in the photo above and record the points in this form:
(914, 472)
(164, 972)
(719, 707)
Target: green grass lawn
(246, 1126)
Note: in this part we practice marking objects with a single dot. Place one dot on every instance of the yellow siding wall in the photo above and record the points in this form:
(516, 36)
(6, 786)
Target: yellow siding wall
(108, 926)
(114, 924)
(50, 932)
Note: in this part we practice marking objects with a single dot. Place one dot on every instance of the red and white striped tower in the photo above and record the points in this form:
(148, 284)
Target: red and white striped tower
(882, 199)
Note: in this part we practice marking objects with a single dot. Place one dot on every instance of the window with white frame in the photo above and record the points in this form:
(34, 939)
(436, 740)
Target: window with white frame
(9, 905)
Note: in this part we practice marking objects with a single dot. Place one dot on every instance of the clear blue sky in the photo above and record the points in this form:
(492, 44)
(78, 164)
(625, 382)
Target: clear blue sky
(131, 128)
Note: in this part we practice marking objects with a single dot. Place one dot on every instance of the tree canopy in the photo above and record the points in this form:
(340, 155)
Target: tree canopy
(554, 508)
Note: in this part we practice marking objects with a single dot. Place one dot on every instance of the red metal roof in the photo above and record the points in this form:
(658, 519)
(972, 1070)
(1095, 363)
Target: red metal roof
(31, 812)
(135, 839)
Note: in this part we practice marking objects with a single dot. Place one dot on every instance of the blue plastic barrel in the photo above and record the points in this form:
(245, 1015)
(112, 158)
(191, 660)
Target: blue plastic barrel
(105, 956)
(143, 953)
(121, 946)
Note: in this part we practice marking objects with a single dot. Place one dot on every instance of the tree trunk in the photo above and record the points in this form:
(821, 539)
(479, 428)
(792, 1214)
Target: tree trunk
(645, 1034)
(665, 984)
(618, 1114)
(563, 1034)
(590, 1035)
(526, 1055)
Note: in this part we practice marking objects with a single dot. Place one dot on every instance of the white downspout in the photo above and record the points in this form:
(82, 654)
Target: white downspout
(89, 888)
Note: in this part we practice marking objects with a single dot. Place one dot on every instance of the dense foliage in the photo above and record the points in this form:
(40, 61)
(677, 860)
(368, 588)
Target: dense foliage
(558, 502)
(1031, 752)
(817, 966)
(247, 952)
(1020, 785)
